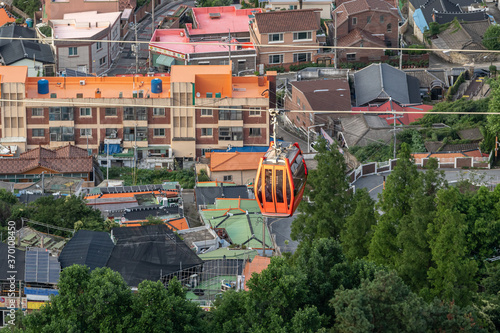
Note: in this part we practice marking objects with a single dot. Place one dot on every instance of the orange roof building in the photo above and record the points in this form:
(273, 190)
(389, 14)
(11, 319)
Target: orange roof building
(5, 16)
(236, 167)
(469, 159)
(257, 265)
(187, 112)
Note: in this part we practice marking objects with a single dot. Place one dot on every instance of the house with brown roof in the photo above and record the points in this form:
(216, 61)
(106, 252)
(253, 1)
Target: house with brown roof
(236, 167)
(318, 95)
(270, 31)
(364, 23)
(68, 161)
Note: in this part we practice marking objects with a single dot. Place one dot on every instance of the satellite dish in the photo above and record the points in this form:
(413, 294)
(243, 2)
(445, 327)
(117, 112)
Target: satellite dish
(198, 94)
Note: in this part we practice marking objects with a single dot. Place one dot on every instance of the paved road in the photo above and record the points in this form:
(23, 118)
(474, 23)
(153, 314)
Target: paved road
(374, 183)
(125, 63)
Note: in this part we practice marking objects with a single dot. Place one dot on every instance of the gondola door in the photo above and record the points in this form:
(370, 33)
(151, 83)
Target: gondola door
(274, 201)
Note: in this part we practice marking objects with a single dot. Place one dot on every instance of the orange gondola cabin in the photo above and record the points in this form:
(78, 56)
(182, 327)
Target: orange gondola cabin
(280, 180)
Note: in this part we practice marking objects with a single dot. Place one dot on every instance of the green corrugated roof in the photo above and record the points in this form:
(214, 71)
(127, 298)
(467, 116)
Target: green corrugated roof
(244, 204)
(238, 227)
(170, 185)
(229, 253)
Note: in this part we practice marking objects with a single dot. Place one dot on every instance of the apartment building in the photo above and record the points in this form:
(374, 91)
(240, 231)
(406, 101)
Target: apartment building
(96, 52)
(172, 47)
(326, 6)
(56, 9)
(270, 31)
(192, 110)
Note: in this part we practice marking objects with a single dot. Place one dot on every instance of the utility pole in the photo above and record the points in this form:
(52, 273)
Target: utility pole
(107, 163)
(335, 38)
(136, 46)
(135, 154)
(229, 40)
(400, 49)
(153, 19)
(394, 115)
(264, 236)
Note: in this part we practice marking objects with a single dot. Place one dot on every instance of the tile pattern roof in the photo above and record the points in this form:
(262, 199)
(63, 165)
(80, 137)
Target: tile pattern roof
(358, 35)
(428, 77)
(348, 8)
(470, 134)
(287, 20)
(234, 161)
(69, 159)
(361, 130)
(381, 81)
(406, 118)
(6, 16)
(11, 31)
(331, 95)
(435, 146)
(469, 33)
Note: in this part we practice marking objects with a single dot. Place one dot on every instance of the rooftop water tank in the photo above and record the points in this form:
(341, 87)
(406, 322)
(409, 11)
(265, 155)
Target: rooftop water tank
(156, 86)
(43, 87)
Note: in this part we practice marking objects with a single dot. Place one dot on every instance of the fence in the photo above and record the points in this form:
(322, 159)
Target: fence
(371, 169)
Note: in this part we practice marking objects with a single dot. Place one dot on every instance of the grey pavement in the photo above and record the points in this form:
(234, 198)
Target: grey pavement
(281, 229)
(374, 183)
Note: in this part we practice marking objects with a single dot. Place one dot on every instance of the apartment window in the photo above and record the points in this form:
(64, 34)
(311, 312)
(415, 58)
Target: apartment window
(303, 35)
(135, 133)
(111, 133)
(207, 112)
(311, 118)
(159, 132)
(38, 132)
(354, 20)
(231, 134)
(62, 133)
(276, 59)
(61, 113)
(37, 112)
(361, 44)
(254, 132)
(231, 114)
(228, 178)
(254, 111)
(389, 27)
(224, 62)
(388, 43)
(85, 132)
(102, 61)
(368, 19)
(301, 57)
(110, 112)
(275, 38)
(351, 56)
(138, 113)
(381, 18)
(203, 62)
(206, 132)
(85, 112)
(204, 151)
(98, 45)
(158, 111)
(73, 51)
(298, 101)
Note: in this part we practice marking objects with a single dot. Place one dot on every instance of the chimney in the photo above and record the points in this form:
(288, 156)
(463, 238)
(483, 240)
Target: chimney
(271, 78)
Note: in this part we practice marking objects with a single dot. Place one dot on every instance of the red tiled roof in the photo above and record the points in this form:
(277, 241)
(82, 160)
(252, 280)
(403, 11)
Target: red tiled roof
(352, 7)
(287, 20)
(234, 161)
(257, 265)
(407, 118)
(358, 35)
(69, 159)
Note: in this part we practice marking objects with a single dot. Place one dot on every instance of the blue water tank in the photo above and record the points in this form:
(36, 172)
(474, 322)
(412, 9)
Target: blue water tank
(156, 86)
(29, 22)
(43, 87)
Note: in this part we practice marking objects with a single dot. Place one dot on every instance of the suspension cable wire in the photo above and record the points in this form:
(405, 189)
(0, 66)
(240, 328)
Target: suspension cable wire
(204, 106)
(74, 40)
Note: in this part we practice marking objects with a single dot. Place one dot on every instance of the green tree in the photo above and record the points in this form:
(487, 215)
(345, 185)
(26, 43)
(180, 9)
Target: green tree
(412, 238)
(395, 203)
(323, 215)
(452, 276)
(154, 220)
(27, 6)
(491, 38)
(493, 125)
(358, 231)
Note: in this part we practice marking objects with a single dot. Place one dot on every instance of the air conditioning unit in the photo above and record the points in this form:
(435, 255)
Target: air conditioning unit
(141, 135)
(82, 82)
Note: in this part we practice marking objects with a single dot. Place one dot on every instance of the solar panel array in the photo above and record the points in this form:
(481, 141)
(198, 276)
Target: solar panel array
(41, 267)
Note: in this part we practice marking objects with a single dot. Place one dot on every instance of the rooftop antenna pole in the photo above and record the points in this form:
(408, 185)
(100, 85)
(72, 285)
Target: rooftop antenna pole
(394, 114)
(136, 46)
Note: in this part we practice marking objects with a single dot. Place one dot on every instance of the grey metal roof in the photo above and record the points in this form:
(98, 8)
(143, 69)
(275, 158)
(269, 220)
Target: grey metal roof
(381, 81)
(207, 195)
(91, 248)
(24, 49)
(443, 18)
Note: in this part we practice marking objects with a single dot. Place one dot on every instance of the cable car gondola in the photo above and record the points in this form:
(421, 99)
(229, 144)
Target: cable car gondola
(281, 178)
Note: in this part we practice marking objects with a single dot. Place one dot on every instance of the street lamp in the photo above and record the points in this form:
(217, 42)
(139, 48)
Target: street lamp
(308, 129)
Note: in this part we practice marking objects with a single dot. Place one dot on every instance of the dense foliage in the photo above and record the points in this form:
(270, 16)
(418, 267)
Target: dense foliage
(29, 7)
(491, 38)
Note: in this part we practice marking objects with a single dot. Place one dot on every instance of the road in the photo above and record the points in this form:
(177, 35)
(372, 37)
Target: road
(126, 62)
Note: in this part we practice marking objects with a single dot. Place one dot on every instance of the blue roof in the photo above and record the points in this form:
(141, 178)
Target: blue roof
(420, 21)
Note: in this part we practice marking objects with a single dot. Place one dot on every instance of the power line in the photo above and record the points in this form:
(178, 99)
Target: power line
(256, 45)
(203, 106)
